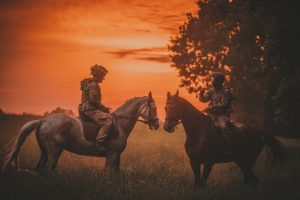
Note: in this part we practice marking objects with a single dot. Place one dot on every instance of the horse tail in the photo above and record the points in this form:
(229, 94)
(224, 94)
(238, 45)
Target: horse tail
(14, 147)
(275, 150)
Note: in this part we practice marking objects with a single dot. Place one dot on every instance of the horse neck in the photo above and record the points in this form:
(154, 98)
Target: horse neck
(191, 118)
(127, 117)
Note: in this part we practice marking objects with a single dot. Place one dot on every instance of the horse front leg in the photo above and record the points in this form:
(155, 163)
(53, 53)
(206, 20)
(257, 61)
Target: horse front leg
(196, 170)
(206, 171)
(117, 163)
(112, 162)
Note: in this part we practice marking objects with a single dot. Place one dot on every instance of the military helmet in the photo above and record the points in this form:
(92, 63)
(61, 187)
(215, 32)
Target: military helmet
(218, 77)
(98, 70)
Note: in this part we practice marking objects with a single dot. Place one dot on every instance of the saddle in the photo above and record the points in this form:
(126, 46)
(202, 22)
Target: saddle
(91, 129)
(235, 127)
(237, 130)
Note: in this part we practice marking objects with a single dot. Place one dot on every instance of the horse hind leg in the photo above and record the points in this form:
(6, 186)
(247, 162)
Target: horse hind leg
(52, 152)
(40, 167)
(53, 157)
(249, 176)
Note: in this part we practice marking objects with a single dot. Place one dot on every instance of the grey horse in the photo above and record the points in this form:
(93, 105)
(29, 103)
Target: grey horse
(60, 132)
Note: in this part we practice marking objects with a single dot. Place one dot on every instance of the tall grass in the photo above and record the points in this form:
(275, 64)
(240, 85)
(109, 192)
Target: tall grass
(153, 166)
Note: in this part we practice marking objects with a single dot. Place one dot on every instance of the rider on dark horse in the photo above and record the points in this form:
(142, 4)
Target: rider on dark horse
(219, 109)
(91, 106)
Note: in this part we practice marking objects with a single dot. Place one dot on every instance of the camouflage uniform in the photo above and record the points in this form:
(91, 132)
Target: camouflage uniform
(91, 107)
(219, 108)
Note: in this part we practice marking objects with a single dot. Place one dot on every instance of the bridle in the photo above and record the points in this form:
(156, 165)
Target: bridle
(152, 117)
(142, 110)
(172, 118)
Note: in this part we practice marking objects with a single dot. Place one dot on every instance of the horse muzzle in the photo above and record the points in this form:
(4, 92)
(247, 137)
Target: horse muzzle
(154, 125)
(169, 127)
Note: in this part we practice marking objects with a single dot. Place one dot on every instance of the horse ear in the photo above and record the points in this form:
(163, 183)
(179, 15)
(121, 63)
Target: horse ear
(169, 95)
(177, 93)
(150, 95)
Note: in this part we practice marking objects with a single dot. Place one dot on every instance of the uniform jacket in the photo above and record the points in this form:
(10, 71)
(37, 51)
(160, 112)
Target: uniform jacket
(91, 96)
(219, 100)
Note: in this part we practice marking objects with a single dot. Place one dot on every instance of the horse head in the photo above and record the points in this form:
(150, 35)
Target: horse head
(148, 112)
(143, 107)
(173, 110)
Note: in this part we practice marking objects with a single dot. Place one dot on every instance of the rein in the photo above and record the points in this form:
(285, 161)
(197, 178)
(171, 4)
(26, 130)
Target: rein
(130, 117)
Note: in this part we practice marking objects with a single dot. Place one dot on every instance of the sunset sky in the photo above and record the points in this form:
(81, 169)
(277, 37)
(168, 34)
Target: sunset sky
(47, 48)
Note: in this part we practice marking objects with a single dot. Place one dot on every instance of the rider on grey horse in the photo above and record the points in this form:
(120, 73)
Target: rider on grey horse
(219, 108)
(91, 106)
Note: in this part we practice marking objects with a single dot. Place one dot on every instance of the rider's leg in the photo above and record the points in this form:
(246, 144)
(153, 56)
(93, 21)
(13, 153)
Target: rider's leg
(223, 122)
(104, 120)
(103, 132)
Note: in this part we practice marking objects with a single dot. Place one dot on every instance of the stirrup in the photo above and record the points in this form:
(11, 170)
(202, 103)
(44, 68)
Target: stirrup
(101, 142)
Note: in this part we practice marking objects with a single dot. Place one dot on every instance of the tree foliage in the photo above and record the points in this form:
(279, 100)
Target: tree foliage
(60, 110)
(254, 42)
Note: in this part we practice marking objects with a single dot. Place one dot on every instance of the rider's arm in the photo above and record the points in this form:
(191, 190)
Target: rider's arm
(94, 96)
(104, 108)
(205, 96)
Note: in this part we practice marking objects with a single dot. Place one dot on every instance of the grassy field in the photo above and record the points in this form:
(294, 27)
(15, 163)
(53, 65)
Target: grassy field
(154, 166)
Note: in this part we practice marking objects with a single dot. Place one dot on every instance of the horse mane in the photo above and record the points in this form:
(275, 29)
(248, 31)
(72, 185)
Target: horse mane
(129, 102)
(192, 108)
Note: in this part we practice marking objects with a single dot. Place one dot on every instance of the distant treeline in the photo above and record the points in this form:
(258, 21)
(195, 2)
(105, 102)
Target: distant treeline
(12, 122)
(57, 110)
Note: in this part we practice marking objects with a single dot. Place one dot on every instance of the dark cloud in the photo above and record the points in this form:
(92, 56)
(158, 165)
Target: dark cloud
(146, 5)
(122, 53)
(128, 52)
(142, 30)
(166, 20)
(154, 54)
(159, 58)
(143, 5)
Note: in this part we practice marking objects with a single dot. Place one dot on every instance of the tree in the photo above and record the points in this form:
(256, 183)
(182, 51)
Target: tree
(254, 43)
(60, 110)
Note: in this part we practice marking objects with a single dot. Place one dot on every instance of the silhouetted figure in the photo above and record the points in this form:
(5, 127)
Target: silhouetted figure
(91, 105)
(219, 109)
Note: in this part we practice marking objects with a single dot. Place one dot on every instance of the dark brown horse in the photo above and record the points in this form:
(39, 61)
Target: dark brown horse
(204, 143)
